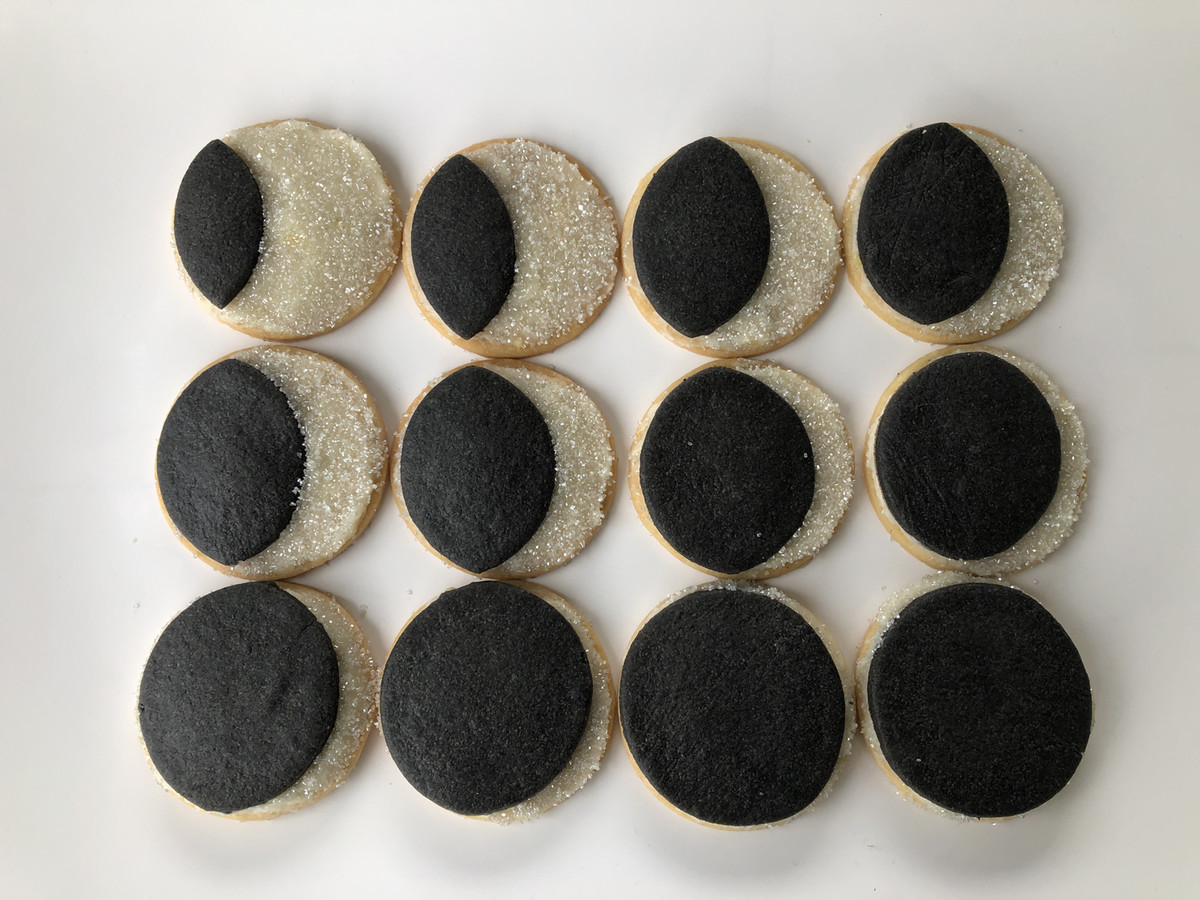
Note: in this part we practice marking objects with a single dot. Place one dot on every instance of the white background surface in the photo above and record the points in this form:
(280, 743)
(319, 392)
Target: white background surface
(103, 107)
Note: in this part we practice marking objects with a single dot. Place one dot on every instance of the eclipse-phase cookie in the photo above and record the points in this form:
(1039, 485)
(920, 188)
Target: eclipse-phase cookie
(730, 247)
(504, 468)
(736, 706)
(952, 235)
(271, 461)
(257, 699)
(497, 701)
(510, 248)
(972, 697)
(287, 229)
(976, 461)
(742, 468)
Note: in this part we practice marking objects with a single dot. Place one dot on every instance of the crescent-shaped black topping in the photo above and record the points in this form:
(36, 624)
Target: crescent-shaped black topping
(932, 224)
(230, 462)
(476, 468)
(218, 223)
(968, 453)
(701, 237)
(726, 470)
(484, 698)
(463, 249)
(238, 697)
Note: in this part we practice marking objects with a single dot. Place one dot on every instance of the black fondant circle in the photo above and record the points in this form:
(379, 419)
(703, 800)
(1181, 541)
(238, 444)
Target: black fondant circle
(464, 252)
(726, 470)
(932, 224)
(732, 707)
(701, 237)
(979, 700)
(967, 455)
(485, 696)
(230, 462)
(238, 697)
(218, 223)
(476, 468)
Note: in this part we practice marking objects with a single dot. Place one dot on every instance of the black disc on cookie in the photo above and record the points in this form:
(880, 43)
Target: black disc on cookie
(230, 462)
(932, 224)
(726, 470)
(732, 707)
(979, 700)
(476, 468)
(485, 697)
(238, 697)
(218, 223)
(701, 237)
(464, 252)
(967, 454)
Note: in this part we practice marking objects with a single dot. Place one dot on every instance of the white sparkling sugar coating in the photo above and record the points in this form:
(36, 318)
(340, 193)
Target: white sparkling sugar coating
(1060, 516)
(345, 460)
(566, 241)
(331, 231)
(585, 761)
(802, 266)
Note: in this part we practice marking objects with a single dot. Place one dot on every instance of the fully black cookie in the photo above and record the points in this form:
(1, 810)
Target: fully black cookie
(973, 698)
(735, 705)
(496, 701)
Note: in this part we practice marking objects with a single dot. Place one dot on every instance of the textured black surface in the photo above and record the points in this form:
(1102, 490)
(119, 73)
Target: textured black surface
(968, 455)
(218, 223)
(463, 250)
(230, 462)
(732, 707)
(477, 468)
(727, 470)
(701, 237)
(238, 697)
(980, 700)
(932, 224)
(485, 697)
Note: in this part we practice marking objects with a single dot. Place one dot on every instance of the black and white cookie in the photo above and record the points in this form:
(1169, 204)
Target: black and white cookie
(742, 468)
(286, 230)
(736, 706)
(271, 461)
(510, 248)
(972, 697)
(730, 247)
(257, 700)
(504, 468)
(952, 235)
(497, 701)
(976, 461)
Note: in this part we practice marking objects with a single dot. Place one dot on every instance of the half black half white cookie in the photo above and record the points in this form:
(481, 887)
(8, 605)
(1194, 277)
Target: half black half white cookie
(257, 699)
(271, 461)
(504, 469)
(510, 248)
(742, 468)
(286, 230)
(730, 247)
(952, 235)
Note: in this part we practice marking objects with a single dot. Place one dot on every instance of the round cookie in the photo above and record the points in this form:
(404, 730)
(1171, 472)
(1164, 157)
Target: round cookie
(975, 461)
(952, 235)
(287, 229)
(730, 247)
(742, 468)
(496, 701)
(257, 700)
(504, 468)
(271, 461)
(972, 698)
(736, 706)
(510, 248)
